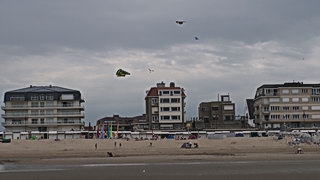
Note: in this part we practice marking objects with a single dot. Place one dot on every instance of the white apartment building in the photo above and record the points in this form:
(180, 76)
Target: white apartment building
(43, 109)
(288, 105)
(165, 107)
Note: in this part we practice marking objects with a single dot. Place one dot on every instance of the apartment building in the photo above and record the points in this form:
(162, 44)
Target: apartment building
(119, 123)
(165, 107)
(43, 109)
(288, 105)
(218, 114)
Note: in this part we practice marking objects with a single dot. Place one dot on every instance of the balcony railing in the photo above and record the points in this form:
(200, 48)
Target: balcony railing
(59, 106)
(54, 123)
(26, 115)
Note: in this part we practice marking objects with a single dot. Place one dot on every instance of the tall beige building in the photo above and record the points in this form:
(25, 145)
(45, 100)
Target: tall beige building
(165, 107)
(288, 105)
(43, 109)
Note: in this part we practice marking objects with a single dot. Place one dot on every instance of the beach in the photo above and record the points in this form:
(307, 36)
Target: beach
(85, 148)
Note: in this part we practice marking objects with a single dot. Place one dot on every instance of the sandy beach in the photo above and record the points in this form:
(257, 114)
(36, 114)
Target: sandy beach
(85, 148)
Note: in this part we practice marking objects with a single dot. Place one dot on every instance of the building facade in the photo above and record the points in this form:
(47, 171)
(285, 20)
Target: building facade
(118, 123)
(43, 109)
(218, 114)
(288, 105)
(165, 107)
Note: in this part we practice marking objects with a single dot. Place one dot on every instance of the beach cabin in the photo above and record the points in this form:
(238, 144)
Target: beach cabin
(1, 135)
(24, 135)
(53, 135)
(61, 135)
(16, 135)
(8, 135)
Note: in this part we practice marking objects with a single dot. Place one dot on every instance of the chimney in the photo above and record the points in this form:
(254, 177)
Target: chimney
(172, 84)
(161, 85)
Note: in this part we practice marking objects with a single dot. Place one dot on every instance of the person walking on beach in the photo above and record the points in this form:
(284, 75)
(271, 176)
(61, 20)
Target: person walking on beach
(120, 144)
(115, 144)
(96, 146)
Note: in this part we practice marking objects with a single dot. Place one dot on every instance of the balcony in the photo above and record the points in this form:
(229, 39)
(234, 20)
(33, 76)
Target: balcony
(59, 123)
(26, 115)
(60, 106)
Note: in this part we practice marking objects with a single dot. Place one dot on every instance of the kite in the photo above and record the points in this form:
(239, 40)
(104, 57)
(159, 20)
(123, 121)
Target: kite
(180, 22)
(150, 70)
(122, 73)
(196, 38)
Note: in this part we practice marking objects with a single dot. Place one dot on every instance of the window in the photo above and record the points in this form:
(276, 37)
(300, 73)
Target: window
(165, 109)
(176, 92)
(34, 121)
(305, 91)
(285, 108)
(206, 119)
(305, 116)
(154, 101)
(316, 99)
(295, 91)
(295, 99)
(305, 99)
(49, 97)
(295, 108)
(164, 100)
(266, 108)
(155, 118)
(175, 100)
(41, 121)
(205, 109)
(285, 91)
(275, 116)
(215, 108)
(49, 104)
(228, 107)
(315, 91)
(42, 97)
(274, 100)
(34, 112)
(175, 117)
(67, 97)
(315, 116)
(315, 107)
(296, 116)
(49, 112)
(34, 98)
(17, 98)
(165, 117)
(42, 112)
(34, 104)
(286, 116)
(285, 99)
(41, 104)
(228, 118)
(275, 108)
(175, 108)
(305, 108)
(165, 92)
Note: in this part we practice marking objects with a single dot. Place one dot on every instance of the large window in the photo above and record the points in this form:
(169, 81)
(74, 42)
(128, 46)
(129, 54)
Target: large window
(176, 92)
(295, 91)
(228, 107)
(175, 117)
(175, 108)
(165, 109)
(175, 100)
(165, 117)
(165, 100)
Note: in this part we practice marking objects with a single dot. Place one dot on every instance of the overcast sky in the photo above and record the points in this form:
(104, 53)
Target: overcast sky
(79, 44)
